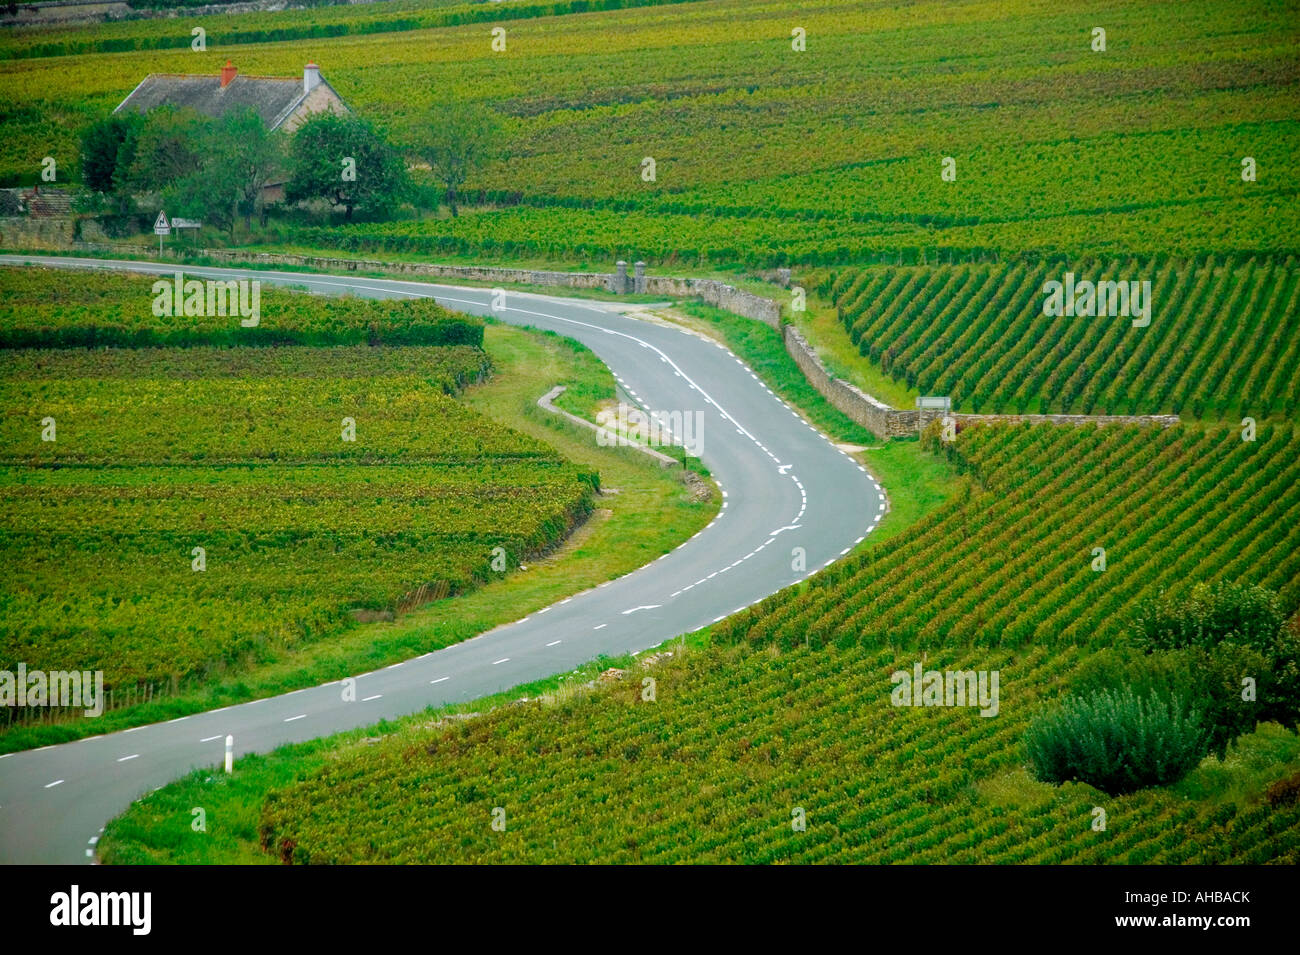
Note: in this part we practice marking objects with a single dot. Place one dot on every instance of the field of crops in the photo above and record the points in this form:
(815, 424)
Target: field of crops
(714, 769)
(57, 308)
(1223, 339)
(1011, 565)
(796, 712)
(246, 454)
(765, 155)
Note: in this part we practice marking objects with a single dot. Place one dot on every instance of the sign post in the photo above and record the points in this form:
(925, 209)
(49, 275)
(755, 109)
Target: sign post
(931, 403)
(161, 228)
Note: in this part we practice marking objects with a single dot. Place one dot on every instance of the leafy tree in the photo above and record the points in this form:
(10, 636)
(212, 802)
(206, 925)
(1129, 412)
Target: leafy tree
(251, 154)
(461, 137)
(240, 155)
(169, 147)
(346, 162)
(106, 145)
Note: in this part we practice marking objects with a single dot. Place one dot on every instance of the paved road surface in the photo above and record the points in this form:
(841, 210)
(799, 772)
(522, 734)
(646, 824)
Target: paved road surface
(785, 486)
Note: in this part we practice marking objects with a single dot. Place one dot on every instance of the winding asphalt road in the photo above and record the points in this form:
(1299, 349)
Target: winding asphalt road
(785, 486)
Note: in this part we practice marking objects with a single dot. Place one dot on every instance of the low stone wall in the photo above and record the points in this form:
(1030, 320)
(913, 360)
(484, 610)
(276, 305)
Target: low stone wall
(23, 232)
(889, 422)
(1146, 420)
(716, 293)
(871, 413)
(719, 294)
(547, 403)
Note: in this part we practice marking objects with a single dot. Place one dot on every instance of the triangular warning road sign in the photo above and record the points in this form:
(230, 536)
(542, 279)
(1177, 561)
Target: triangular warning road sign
(161, 221)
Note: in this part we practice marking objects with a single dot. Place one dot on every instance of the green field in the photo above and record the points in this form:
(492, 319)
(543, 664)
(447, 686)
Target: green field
(240, 451)
(1223, 339)
(1010, 564)
(765, 155)
(790, 705)
(801, 717)
(1124, 164)
(243, 452)
(735, 742)
(45, 308)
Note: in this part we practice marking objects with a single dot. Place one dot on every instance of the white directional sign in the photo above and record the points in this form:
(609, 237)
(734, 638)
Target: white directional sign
(179, 223)
(161, 226)
(926, 403)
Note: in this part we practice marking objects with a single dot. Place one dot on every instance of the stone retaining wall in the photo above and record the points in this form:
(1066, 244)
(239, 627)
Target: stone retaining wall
(23, 232)
(889, 422)
(871, 413)
(719, 294)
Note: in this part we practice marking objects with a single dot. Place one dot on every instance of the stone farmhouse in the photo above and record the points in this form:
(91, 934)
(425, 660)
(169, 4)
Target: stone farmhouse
(283, 102)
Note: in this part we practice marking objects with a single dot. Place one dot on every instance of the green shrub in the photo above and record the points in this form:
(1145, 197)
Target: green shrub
(1117, 741)
(1225, 633)
(1248, 615)
(1209, 679)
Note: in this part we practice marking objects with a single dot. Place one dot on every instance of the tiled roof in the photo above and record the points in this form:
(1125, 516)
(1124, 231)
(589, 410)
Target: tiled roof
(272, 97)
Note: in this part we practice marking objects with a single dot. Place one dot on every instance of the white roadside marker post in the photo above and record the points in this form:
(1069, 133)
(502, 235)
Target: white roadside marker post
(230, 754)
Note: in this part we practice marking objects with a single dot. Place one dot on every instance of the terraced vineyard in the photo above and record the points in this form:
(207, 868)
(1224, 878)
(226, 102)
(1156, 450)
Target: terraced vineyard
(242, 453)
(1223, 339)
(791, 706)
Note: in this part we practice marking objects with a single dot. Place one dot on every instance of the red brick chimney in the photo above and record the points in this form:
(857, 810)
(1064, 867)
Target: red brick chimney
(227, 74)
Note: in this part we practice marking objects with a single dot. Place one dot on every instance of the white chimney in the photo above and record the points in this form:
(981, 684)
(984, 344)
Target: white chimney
(310, 77)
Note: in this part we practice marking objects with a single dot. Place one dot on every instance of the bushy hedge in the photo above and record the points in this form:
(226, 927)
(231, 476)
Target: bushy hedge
(1117, 741)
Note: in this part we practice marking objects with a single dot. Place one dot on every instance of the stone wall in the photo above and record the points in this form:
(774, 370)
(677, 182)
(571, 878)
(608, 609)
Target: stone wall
(873, 414)
(719, 294)
(547, 403)
(1146, 420)
(889, 422)
(23, 232)
(713, 292)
